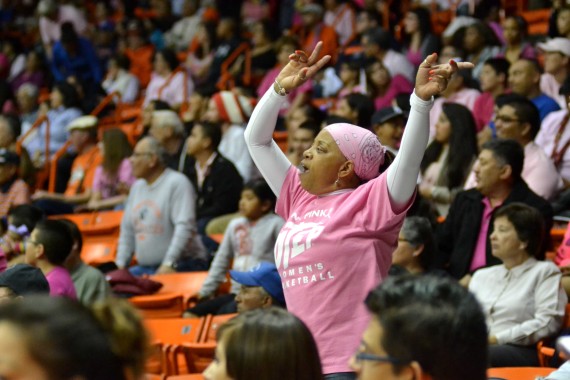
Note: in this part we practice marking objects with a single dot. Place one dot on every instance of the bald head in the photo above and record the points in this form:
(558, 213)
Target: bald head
(524, 78)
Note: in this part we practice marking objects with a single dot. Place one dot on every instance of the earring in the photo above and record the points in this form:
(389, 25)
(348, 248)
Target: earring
(337, 182)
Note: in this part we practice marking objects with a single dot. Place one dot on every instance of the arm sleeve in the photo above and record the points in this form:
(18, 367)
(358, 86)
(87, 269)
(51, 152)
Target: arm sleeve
(126, 246)
(183, 216)
(403, 173)
(220, 265)
(265, 152)
(56, 61)
(550, 302)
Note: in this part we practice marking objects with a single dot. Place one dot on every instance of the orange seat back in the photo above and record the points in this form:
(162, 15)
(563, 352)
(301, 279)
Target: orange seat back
(159, 305)
(99, 250)
(519, 373)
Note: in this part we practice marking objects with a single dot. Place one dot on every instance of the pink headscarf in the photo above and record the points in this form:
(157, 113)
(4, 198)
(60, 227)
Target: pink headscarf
(360, 146)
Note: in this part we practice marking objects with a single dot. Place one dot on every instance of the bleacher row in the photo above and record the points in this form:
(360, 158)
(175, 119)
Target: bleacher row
(183, 347)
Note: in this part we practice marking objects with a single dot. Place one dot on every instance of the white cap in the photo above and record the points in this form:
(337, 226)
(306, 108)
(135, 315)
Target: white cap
(558, 44)
(83, 122)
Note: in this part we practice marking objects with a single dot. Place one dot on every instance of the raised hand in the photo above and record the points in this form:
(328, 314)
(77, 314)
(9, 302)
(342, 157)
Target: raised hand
(301, 68)
(432, 79)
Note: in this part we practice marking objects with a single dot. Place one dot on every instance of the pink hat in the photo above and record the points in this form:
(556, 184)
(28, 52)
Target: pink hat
(360, 146)
(558, 44)
(233, 108)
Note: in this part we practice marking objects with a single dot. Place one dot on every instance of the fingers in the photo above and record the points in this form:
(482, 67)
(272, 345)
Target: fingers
(315, 54)
(429, 61)
(312, 70)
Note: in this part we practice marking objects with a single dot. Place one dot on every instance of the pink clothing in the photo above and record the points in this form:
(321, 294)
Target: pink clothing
(60, 283)
(466, 97)
(479, 259)
(562, 258)
(331, 252)
(415, 57)
(360, 146)
(540, 173)
(51, 30)
(549, 86)
(107, 184)
(173, 89)
(398, 85)
(483, 110)
(268, 81)
(546, 139)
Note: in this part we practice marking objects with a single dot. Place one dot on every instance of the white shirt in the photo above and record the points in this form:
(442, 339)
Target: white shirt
(397, 63)
(550, 86)
(125, 83)
(234, 149)
(524, 304)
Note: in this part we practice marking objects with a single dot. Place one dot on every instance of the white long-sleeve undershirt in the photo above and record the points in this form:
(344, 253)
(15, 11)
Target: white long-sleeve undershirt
(273, 164)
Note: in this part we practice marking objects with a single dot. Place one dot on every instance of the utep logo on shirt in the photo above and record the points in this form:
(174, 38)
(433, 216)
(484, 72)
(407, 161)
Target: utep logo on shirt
(295, 239)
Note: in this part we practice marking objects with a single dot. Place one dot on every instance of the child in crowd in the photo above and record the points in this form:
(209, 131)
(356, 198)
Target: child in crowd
(247, 241)
(47, 248)
(21, 221)
(114, 176)
(90, 284)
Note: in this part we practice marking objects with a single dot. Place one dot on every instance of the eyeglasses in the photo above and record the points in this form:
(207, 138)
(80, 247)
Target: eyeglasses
(360, 357)
(505, 119)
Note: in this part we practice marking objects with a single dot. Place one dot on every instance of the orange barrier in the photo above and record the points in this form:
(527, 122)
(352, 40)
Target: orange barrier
(518, 373)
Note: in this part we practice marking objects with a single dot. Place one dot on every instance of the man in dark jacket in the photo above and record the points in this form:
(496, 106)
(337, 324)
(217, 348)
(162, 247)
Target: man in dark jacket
(217, 182)
(463, 238)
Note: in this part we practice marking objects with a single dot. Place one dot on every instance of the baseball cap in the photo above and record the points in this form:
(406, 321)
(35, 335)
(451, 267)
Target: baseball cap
(265, 275)
(24, 280)
(388, 113)
(83, 122)
(9, 157)
(558, 44)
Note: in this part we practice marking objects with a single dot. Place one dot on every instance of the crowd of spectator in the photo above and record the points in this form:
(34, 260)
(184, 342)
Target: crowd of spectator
(411, 153)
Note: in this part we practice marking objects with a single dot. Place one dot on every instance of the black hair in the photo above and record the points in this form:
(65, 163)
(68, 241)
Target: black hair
(75, 233)
(14, 124)
(170, 57)
(56, 239)
(69, 94)
(262, 191)
(417, 230)
(424, 20)
(213, 131)
(507, 152)
(27, 215)
(311, 126)
(525, 110)
(123, 61)
(68, 34)
(499, 66)
(160, 105)
(364, 105)
(380, 37)
(522, 24)
(462, 145)
(433, 321)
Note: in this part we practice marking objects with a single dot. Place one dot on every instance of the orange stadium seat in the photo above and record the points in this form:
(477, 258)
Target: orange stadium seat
(518, 373)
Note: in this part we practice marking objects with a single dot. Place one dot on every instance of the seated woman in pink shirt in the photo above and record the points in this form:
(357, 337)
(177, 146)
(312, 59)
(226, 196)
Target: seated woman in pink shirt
(168, 82)
(383, 87)
(114, 177)
(515, 30)
(343, 207)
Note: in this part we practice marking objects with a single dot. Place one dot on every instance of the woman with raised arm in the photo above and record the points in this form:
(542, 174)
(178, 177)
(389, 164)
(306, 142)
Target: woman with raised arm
(343, 209)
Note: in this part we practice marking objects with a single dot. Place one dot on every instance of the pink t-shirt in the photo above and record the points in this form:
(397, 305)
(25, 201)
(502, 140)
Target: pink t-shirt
(169, 89)
(330, 253)
(107, 185)
(60, 283)
(398, 85)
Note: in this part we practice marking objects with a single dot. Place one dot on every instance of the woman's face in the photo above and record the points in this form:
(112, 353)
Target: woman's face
(505, 242)
(16, 362)
(563, 23)
(160, 64)
(411, 23)
(405, 253)
(297, 118)
(347, 75)
(258, 36)
(320, 165)
(343, 110)
(217, 370)
(442, 129)
(511, 31)
(390, 133)
(56, 98)
(472, 40)
(379, 75)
